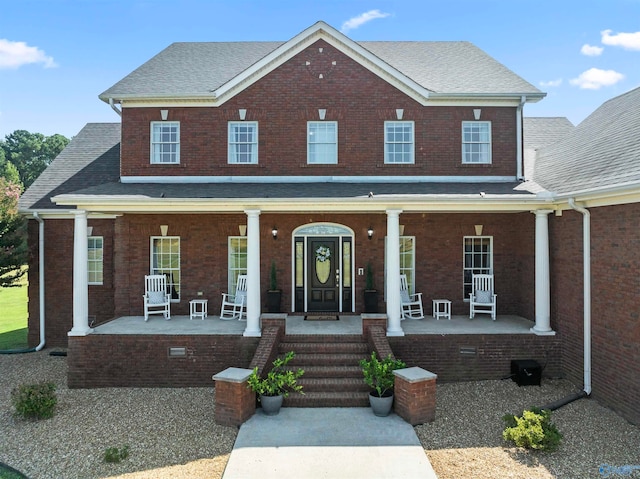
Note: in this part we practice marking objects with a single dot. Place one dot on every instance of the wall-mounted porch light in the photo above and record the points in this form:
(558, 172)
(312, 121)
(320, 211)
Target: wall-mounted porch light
(370, 232)
(274, 232)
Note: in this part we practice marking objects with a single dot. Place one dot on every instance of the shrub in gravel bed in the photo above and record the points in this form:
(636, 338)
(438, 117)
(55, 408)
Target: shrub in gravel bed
(532, 430)
(35, 401)
(113, 454)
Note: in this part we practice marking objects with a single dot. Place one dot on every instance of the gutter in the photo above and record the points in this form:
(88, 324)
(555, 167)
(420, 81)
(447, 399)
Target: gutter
(113, 106)
(519, 164)
(586, 244)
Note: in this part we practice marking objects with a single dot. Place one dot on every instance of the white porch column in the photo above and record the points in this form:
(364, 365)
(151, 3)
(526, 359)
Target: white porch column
(80, 282)
(543, 314)
(253, 273)
(393, 273)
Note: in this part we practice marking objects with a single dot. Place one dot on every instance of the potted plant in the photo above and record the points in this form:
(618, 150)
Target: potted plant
(370, 292)
(276, 385)
(274, 295)
(378, 375)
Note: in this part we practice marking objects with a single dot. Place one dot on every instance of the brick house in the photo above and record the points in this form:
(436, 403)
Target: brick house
(408, 156)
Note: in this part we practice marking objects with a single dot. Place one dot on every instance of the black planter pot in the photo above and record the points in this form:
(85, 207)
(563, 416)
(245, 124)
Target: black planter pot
(273, 301)
(370, 301)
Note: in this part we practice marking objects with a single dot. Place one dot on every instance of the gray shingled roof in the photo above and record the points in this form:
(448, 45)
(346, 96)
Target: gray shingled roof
(318, 190)
(197, 69)
(602, 151)
(91, 158)
(540, 132)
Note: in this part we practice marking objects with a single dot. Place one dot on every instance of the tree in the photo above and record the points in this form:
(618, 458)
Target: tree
(31, 153)
(13, 236)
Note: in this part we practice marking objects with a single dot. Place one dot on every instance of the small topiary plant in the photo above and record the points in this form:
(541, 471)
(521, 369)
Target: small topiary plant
(113, 454)
(35, 401)
(532, 430)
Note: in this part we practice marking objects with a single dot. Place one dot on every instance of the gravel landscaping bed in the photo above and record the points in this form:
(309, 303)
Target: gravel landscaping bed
(171, 433)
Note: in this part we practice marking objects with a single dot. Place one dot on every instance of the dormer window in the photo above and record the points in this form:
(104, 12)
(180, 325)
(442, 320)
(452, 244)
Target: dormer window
(398, 142)
(165, 142)
(243, 142)
(476, 142)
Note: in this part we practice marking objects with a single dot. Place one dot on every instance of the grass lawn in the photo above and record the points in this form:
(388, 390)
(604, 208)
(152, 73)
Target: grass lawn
(13, 316)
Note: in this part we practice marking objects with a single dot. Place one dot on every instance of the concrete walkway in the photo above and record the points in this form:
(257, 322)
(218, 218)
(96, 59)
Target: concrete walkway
(328, 443)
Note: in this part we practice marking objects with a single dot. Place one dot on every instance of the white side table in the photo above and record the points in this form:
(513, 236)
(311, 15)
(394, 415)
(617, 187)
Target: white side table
(198, 308)
(442, 309)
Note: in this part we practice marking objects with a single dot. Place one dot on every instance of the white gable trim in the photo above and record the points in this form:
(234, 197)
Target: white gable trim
(297, 44)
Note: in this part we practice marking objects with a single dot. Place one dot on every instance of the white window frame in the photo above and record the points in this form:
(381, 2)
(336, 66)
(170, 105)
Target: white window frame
(329, 155)
(235, 155)
(237, 261)
(407, 267)
(158, 143)
(472, 143)
(389, 156)
(475, 264)
(174, 280)
(95, 260)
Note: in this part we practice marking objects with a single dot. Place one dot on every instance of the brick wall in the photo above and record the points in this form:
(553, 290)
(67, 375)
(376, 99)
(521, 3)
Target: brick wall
(284, 100)
(460, 357)
(439, 239)
(106, 360)
(615, 311)
(59, 280)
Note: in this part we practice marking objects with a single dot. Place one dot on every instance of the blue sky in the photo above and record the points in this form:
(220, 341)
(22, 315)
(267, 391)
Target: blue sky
(56, 56)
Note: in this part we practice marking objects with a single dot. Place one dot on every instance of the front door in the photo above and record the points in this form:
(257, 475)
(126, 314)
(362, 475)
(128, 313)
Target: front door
(323, 274)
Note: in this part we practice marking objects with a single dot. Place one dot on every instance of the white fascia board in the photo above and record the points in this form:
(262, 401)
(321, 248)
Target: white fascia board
(363, 204)
(515, 97)
(620, 194)
(51, 214)
(316, 179)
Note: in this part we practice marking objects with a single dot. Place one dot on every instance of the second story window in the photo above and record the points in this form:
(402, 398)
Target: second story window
(322, 142)
(243, 142)
(398, 142)
(476, 142)
(165, 142)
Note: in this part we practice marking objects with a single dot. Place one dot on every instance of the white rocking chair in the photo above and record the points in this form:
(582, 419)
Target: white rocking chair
(156, 298)
(234, 306)
(410, 304)
(482, 298)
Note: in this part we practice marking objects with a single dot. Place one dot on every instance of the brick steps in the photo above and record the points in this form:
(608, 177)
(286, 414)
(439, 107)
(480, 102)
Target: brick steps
(328, 399)
(332, 377)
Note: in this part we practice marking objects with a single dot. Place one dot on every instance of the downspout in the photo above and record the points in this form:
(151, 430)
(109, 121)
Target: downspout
(41, 289)
(586, 242)
(519, 110)
(113, 106)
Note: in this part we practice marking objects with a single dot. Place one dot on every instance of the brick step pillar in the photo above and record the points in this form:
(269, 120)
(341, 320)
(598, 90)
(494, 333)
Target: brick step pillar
(415, 395)
(235, 402)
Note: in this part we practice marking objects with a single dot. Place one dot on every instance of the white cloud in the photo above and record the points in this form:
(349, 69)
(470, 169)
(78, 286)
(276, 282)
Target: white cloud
(551, 83)
(628, 41)
(16, 54)
(591, 51)
(361, 19)
(594, 79)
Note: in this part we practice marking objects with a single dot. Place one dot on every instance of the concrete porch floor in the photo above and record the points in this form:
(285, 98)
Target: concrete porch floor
(295, 324)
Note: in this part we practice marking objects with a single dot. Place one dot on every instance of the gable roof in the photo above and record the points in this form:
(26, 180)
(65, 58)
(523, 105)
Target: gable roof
(601, 152)
(91, 158)
(210, 70)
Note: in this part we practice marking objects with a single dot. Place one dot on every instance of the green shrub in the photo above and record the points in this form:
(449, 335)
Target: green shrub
(532, 430)
(378, 373)
(35, 401)
(278, 381)
(113, 454)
